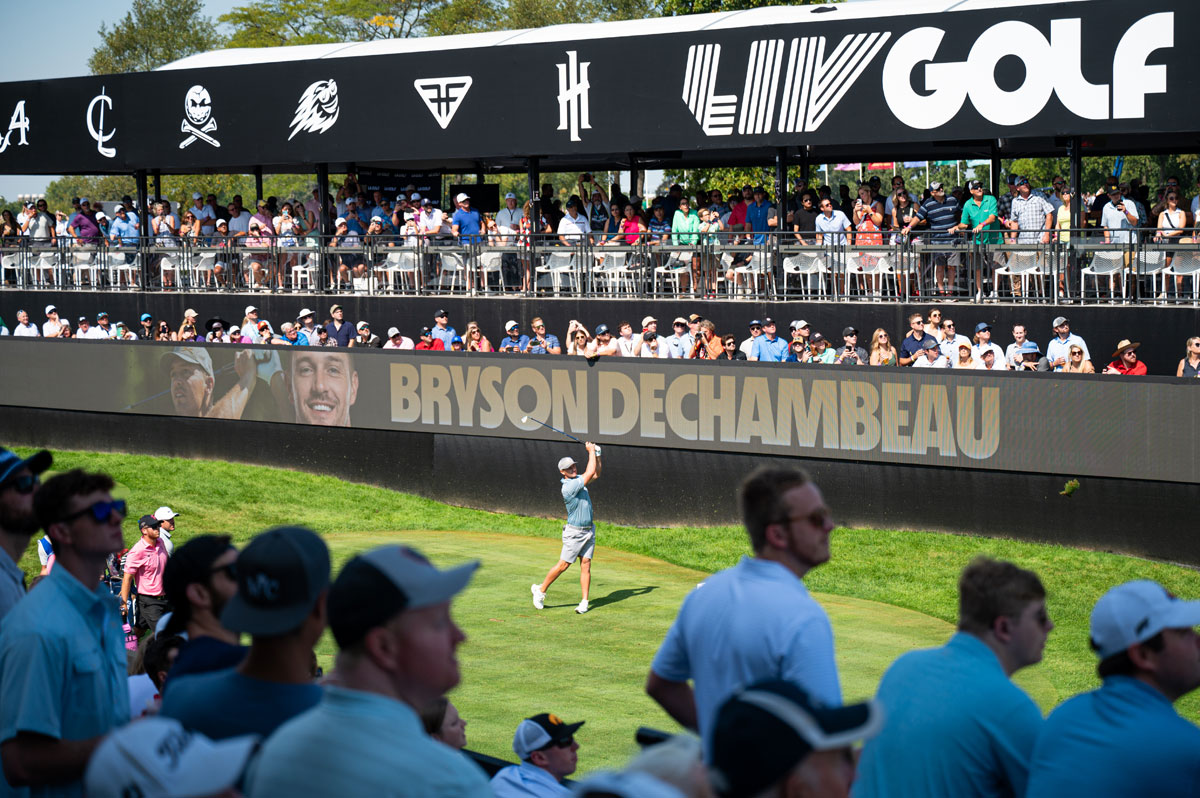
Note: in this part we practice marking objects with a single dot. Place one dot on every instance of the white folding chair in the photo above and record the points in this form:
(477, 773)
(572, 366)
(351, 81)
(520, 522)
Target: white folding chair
(490, 263)
(302, 273)
(1153, 264)
(558, 269)
(1105, 263)
(1023, 265)
(453, 271)
(200, 268)
(119, 270)
(169, 264)
(400, 266)
(805, 265)
(679, 263)
(1186, 264)
(86, 261)
(615, 275)
(10, 262)
(44, 268)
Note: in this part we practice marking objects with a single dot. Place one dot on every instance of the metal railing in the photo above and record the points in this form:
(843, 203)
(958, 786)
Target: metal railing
(1009, 266)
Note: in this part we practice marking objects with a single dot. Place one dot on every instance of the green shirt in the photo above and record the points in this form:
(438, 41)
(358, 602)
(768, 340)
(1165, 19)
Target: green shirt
(684, 228)
(975, 213)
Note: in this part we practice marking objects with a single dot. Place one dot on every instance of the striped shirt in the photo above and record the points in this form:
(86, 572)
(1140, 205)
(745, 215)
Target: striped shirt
(940, 216)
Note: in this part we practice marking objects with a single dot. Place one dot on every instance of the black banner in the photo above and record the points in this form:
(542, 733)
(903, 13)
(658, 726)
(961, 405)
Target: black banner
(1014, 72)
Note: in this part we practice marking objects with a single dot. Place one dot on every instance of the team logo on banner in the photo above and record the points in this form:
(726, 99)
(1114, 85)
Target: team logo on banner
(317, 110)
(443, 96)
(198, 120)
(573, 92)
(19, 123)
(95, 123)
(813, 83)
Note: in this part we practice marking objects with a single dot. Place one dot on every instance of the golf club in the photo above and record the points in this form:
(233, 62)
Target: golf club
(547, 426)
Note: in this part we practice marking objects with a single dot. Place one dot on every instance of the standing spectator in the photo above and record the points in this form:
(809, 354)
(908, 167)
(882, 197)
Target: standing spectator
(956, 723)
(1189, 366)
(39, 226)
(283, 580)
(1076, 364)
(1012, 354)
(914, 343)
(166, 524)
(1172, 221)
(200, 580)
(1125, 360)
(1126, 738)
(773, 739)
(755, 620)
(804, 219)
(466, 223)
(389, 612)
(982, 219)
(146, 564)
(852, 354)
(62, 654)
(83, 225)
(19, 480)
(548, 752)
(883, 353)
(339, 330)
(768, 347)
(365, 336)
(941, 213)
(685, 232)
(397, 340)
(1059, 346)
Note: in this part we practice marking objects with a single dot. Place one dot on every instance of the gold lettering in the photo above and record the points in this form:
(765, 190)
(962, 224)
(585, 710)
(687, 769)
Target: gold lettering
(489, 390)
(895, 417)
(860, 426)
(650, 389)
(570, 400)
(466, 385)
(406, 400)
(681, 425)
(821, 408)
(933, 408)
(610, 383)
(713, 406)
(435, 394)
(756, 417)
(518, 379)
(984, 445)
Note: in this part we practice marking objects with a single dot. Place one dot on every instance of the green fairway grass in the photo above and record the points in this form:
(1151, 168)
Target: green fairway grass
(592, 667)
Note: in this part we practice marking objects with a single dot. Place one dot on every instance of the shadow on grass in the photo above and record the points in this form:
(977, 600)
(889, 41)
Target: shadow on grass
(611, 598)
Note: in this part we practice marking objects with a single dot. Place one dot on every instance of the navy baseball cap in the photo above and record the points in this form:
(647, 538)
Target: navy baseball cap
(601, 329)
(11, 463)
(755, 322)
(981, 326)
(280, 575)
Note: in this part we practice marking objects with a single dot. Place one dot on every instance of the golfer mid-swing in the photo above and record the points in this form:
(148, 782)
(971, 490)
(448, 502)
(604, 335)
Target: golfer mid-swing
(579, 533)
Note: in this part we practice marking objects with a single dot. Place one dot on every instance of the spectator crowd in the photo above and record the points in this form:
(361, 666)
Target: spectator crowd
(748, 665)
(932, 340)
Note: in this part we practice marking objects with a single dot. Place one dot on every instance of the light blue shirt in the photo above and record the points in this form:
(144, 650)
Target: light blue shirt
(1124, 738)
(62, 666)
(1059, 348)
(770, 351)
(753, 621)
(12, 584)
(679, 346)
(445, 336)
(225, 704)
(526, 781)
(360, 743)
(955, 725)
(578, 501)
(124, 231)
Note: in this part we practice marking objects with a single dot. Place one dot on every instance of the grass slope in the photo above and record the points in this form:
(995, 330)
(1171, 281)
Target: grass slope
(916, 571)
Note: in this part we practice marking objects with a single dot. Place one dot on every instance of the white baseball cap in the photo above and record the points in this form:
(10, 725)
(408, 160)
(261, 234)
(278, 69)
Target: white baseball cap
(415, 196)
(1136, 611)
(566, 463)
(156, 757)
(362, 325)
(165, 513)
(393, 332)
(339, 220)
(508, 325)
(510, 195)
(461, 197)
(377, 219)
(250, 309)
(197, 195)
(50, 309)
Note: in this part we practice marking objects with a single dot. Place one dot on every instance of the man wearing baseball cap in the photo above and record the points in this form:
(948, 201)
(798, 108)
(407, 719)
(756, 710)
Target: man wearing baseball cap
(771, 738)
(579, 533)
(441, 329)
(145, 564)
(1126, 738)
(201, 580)
(389, 612)
(548, 752)
(650, 325)
(166, 525)
(19, 480)
(282, 585)
(339, 330)
(466, 222)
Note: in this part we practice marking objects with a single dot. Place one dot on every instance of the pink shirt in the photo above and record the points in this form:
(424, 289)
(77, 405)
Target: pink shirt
(147, 566)
(631, 228)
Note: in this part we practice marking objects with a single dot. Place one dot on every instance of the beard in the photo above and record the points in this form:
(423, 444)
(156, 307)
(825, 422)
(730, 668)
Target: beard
(16, 522)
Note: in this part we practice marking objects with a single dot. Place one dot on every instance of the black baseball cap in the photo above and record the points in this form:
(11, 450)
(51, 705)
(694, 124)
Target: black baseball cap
(974, 184)
(281, 574)
(765, 730)
(147, 521)
(540, 731)
(375, 587)
(849, 331)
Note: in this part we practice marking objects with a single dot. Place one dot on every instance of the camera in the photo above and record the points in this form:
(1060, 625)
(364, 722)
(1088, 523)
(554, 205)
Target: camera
(649, 336)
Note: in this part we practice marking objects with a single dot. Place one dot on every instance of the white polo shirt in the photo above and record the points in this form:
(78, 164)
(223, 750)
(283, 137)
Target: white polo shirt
(753, 621)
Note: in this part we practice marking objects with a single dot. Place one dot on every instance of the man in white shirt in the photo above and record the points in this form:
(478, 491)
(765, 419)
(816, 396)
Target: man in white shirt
(989, 361)
(52, 327)
(650, 325)
(25, 328)
(1012, 353)
(239, 219)
(747, 346)
(397, 341)
(1119, 218)
(548, 752)
(983, 331)
(931, 356)
(951, 339)
(203, 213)
(755, 620)
(573, 228)
(508, 218)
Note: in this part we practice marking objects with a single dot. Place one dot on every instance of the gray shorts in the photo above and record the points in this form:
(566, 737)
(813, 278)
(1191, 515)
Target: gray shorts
(578, 542)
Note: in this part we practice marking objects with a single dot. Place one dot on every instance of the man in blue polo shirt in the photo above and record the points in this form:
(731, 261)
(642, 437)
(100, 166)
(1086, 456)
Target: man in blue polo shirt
(956, 724)
(1126, 738)
(442, 330)
(758, 216)
(769, 347)
(910, 347)
(466, 222)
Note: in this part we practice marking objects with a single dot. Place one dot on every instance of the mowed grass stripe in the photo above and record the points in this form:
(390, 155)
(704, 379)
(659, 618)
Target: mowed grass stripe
(518, 660)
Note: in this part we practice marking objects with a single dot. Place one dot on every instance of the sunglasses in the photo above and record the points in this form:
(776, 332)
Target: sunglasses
(567, 743)
(25, 484)
(230, 570)
(816, 518)
(100, 511)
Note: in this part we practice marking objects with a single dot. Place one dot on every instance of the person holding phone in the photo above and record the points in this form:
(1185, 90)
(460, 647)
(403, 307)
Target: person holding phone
(852, 354)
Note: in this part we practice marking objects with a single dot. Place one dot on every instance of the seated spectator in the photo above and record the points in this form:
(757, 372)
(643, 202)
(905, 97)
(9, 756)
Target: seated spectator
(1125, 360)
(579, 340)
(629, 345)
(651, 346)
(396, 340)
(913, 345)
(679, 343)
(548, 750)
(989, 362)
(650, 325)
(629, 784)
(983, 342)
(768, 347)
(200, 580)
(542, 342)
(852, 354)
(365, 337)
(882, 351)
(62, 654)
(389, 612)
(931, 356)
(604, 345)
(1189, 366)
(1056, 350)
(475, 340)
(964, 360)
(1126, 738)
(1032, 359)
(443, 723)
(819, 350)
(951, 340)
(515, 341)
(707, 346)
(428, 341)
(1076, 364)
(771, 739)
(956, 723)
(731, 351)
(169, 761)
(456, 344)
(283, 581)
(1012, 354)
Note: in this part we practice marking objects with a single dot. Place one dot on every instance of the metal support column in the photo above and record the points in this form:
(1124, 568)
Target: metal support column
(535, 222)
(143, 217)
(994, 172)
(1078, 219)
(324, 223)
(258, 186)
(781, 209)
